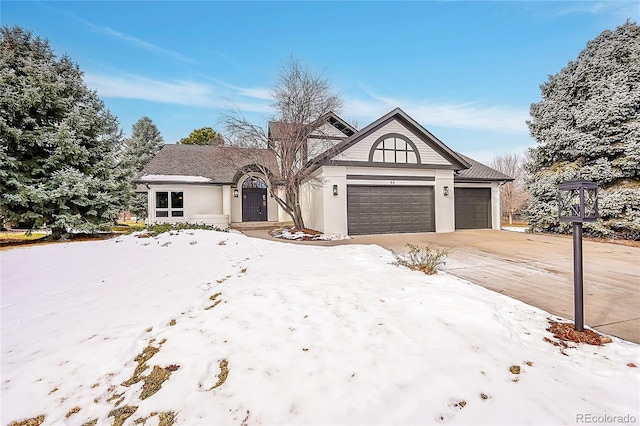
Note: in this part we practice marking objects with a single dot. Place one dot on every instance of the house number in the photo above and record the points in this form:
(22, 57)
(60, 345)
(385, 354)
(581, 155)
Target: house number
(392, 182)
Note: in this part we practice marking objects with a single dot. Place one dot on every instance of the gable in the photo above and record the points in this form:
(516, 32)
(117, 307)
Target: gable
(395, 140)
(332, 126)
(391, 143)
(324, 138)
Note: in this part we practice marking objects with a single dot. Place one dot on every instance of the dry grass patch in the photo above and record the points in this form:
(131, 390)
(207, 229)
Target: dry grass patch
(36, 421)
(121, 414)
(141, 359)
(216, 302)
(153, 382)
(224, 373)
(21, 235)
(167, 418)
(72, 411)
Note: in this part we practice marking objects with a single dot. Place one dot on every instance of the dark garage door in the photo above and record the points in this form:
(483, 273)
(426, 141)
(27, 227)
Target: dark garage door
(473, 208)
(390, 209)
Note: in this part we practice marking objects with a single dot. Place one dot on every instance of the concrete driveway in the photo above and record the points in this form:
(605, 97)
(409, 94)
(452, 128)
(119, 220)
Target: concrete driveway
(538, 270)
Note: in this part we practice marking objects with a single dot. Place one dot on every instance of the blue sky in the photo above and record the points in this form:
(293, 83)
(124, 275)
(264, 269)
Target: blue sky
(466, 70)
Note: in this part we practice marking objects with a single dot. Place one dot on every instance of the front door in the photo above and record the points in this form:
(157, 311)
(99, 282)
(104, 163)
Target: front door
(254, 204)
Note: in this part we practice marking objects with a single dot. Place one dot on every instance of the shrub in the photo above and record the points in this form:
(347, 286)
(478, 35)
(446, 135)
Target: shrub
(161, 228)
(424, 259)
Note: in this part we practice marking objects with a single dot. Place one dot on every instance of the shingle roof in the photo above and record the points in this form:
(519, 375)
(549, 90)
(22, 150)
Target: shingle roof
(479, 171)
(219, 164)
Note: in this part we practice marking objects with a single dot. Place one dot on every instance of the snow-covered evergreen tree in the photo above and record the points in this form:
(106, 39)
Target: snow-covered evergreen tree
(587, 126)
(144, 143)
(58, 142)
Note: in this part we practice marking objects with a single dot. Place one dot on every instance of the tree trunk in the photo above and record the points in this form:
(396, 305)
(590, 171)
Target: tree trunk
(58, 234)
(298, 222)
(510, 218)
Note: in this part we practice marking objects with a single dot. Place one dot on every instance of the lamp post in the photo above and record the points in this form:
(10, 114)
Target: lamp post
(577, 203)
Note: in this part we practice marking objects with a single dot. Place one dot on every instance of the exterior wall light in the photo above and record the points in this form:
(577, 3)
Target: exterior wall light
(235, 193)
(335, 189)
(445, 191)
(577, 203)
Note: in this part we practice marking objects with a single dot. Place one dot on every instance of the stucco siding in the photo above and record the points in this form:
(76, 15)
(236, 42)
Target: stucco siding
(445, 204)
(311, 203)
(385, 176)
(360, 151)
(198, 200)
(322, 210)
(335, 206)
(236, 202)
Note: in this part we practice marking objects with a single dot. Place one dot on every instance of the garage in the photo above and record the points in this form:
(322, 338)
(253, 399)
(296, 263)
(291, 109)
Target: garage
(390, 209)
(473, 208)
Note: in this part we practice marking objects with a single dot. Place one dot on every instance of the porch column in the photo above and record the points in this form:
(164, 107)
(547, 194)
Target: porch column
(226, 201)
(445, 204)
(282, 215)
(150, 213)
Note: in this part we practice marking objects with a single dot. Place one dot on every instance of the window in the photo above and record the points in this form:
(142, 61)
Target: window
(166, 209)
(254, 182)
(394, 148)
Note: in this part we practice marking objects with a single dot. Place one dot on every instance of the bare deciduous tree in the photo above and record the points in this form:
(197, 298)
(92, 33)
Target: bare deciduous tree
(302, 100)
(513, 194)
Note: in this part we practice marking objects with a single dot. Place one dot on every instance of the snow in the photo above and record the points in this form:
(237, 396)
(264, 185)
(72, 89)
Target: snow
(175, 178)
(312, 335)
(515, 228)
(285, 233)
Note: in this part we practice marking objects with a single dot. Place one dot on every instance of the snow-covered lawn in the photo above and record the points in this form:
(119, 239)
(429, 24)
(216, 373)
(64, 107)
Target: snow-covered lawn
(245, 331)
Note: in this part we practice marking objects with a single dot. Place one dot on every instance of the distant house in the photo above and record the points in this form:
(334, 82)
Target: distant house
(391, 176)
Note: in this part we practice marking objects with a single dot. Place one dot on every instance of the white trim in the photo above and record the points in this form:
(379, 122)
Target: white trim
(175, 179)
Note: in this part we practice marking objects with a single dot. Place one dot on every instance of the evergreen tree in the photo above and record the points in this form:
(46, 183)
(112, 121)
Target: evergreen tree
(144, 143)
(58, 142)
(202, 136)
(587, 126)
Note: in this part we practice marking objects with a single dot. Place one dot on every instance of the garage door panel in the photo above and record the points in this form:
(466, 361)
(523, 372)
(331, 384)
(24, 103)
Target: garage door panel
(390, 209)
(473, 208)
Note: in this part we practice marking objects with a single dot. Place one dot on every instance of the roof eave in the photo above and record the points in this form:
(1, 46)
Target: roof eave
(174, 182)
(476, 179)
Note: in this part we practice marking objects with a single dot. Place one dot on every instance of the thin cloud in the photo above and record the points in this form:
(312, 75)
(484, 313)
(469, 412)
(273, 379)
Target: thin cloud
(460, 115)
(137, 42)
(619, 9)
(177, 92)
(249, 92)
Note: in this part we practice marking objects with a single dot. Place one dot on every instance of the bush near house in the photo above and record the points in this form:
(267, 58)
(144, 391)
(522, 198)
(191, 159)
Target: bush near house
(424, 259)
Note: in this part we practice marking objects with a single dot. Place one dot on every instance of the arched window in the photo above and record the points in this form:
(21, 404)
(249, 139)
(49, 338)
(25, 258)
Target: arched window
(394, 148)
(254, 182)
